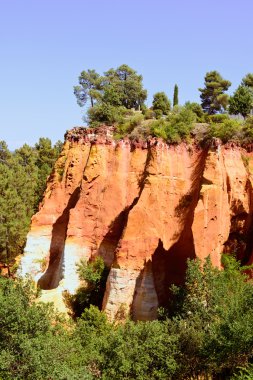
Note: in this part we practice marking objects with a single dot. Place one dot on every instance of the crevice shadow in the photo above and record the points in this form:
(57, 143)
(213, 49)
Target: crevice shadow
(111, 239)
(54, 273)
(145, 301)
(240, 242)
(169, 266)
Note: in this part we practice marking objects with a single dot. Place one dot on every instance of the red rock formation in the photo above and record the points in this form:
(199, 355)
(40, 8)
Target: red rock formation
(145, 207)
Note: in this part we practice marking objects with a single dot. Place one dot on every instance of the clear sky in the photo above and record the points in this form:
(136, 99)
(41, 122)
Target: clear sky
(45, 44)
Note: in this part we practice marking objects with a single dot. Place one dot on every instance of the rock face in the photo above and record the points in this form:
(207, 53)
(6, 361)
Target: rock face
(145, 208)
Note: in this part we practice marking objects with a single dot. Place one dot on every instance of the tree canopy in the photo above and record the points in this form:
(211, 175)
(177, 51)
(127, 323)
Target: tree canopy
(90, 85)
(248, 81)
(123, 87)
(112, 94)
(241, 102)
(161, 104)
(23, 176)
(213, 97)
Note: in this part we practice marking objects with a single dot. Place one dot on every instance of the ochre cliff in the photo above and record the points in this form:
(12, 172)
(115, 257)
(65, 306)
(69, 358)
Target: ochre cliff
(145, 208)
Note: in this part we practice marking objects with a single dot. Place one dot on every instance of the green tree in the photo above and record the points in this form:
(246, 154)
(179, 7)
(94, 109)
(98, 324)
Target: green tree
(247, 129)
(213, 97)
(90, 86)
(13, 220)
(111, 95)
(175, 96)
(248, 81)
(23, 177)
(46, 157)
(18, 175)
(4, 152)
(161, 104)
(123, 87)
(213, 315)
(241, 102)
(27, 177)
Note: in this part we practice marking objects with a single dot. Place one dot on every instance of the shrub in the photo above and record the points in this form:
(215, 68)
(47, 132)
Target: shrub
(105, 113)
(218, 118)
(94, 275)
(141, 132)
(162, 128)
(197, 110)
(227, 130)
(212, 316)
(158, 114)
(129, 124)
(149, 114)
(244, 373)
(127, 351)
(33, 345)
(247, 129)
(177, 126)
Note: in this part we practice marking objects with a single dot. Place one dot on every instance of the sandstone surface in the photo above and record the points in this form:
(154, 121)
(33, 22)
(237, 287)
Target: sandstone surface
(145, 207)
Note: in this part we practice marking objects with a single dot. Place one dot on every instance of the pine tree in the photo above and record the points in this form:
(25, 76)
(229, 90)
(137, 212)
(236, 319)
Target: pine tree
(213, 97)
(241, 102)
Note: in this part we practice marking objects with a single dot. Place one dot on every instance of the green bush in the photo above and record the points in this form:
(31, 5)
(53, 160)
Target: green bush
(33, 342)
(226, 130)
(149, 114)
(244, 373)
(182, 121)
(197, 110)
(247, 130)
(94, 275)
(141, 132)
(126, 127)
(158, 113)
(105, 113)
(176, 127)
(212, 316)
(218, 118)
(134, 351)
(163, 129)
(206, 333)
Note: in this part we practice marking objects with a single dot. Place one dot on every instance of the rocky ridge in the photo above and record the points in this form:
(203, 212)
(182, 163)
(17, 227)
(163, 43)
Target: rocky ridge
(145, 207)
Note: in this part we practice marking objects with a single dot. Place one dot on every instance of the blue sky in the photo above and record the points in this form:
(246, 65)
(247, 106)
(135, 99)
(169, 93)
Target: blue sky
(45, 44)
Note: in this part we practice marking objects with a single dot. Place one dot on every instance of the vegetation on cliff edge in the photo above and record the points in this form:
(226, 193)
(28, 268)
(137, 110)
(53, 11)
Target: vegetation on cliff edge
(117, 98)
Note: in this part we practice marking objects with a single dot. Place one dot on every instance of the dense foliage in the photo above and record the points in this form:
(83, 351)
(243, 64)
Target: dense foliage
(161, 104)
(111, 95)
(23, 175)
(205, 333)
(93, 276)
(213, 97)
(241, 102)
(117, 98)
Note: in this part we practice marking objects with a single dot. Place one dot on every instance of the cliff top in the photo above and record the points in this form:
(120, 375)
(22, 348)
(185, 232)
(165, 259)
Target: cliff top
(142, 137)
